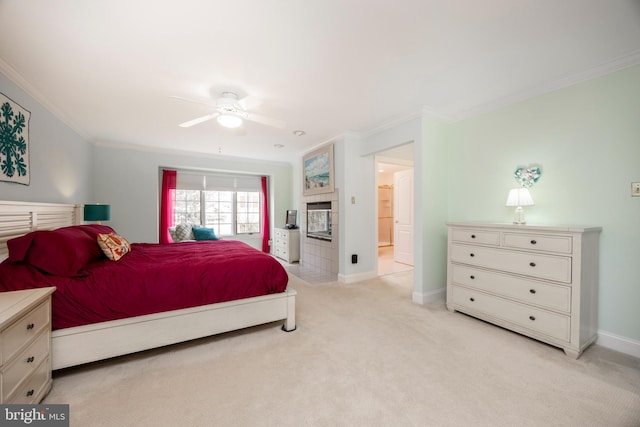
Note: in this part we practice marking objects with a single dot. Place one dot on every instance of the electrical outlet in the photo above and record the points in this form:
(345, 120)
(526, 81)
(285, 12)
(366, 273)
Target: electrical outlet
(635, 189)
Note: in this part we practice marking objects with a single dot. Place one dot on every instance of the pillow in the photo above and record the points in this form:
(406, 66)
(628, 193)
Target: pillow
(63, 252)
(19, 246)
(183, 231)
(201, 233)
(113, 245)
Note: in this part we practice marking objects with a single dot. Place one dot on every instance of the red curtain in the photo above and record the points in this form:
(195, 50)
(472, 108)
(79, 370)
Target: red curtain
(167, 200)
(265, 216)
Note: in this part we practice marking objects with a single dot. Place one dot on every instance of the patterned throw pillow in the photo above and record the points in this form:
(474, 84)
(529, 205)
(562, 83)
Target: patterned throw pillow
(113, 245)
(184, 231)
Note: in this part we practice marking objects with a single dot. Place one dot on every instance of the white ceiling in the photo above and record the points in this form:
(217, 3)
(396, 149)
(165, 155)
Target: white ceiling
(110, 69)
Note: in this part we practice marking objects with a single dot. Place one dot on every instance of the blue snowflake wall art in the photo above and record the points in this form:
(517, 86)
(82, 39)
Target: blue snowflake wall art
(14, 142)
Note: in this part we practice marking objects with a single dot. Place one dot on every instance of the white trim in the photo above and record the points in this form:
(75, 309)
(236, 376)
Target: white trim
(619, 343)
(357, 277)
(18, 80)
(624, 61)
(432, 296)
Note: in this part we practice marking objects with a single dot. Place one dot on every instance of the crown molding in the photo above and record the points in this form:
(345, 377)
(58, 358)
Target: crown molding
(620, 63)
(178, 152)
(29, 89)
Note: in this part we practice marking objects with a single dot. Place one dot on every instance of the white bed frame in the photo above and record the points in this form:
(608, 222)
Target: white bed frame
(83, 344)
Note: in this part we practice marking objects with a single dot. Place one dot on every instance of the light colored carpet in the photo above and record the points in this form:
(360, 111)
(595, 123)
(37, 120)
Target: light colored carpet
(363, 355)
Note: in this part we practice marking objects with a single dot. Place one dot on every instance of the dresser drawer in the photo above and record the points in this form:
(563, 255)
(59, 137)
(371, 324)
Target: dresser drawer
(21, 331)
(282, 252)
(546, 295)
(560, 244)
(31, 391)
(545, 322)
(26, 361)
(530, 264)
(482, 237)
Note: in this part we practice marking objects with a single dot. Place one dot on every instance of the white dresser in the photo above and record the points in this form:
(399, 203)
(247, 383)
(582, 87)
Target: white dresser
(287, 244)
(539, 281)
(25, 345)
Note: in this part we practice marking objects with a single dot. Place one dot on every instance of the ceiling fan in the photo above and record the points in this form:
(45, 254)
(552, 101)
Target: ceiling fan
(230, 111)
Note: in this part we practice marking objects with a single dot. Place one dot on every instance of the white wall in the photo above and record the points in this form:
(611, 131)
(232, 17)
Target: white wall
(425, 282)
(128, 180)
(355, 178)
(61, 160)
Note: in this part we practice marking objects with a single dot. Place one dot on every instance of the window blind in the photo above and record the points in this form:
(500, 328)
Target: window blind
(219, 182)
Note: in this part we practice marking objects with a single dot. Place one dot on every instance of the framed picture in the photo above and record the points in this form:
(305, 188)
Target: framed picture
(317, 169)
(14, 140)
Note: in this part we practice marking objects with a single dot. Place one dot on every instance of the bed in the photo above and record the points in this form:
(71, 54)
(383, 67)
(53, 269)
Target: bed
(101, 331)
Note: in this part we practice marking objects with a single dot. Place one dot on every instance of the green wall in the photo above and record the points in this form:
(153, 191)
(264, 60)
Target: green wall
(587, 140)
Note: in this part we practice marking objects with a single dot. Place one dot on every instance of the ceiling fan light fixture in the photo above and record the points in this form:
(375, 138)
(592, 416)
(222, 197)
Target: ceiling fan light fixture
(229, 120)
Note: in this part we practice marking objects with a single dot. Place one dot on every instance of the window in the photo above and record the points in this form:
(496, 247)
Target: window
(229, 204)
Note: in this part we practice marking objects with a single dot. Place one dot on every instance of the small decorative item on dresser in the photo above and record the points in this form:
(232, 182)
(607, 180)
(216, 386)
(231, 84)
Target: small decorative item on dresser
(519, 197)
(25, 345)
(541, 282)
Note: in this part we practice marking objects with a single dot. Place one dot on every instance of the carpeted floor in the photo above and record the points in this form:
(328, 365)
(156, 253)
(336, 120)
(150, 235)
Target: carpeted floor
(363, 355)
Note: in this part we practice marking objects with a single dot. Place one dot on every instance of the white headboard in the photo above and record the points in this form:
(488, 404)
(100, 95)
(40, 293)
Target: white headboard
(19, 218)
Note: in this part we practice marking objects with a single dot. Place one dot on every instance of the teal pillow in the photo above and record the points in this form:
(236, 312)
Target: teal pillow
(202, 233)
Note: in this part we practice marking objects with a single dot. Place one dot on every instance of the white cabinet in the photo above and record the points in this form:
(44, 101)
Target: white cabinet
(287, 244)
(539, 281)
(25, 345)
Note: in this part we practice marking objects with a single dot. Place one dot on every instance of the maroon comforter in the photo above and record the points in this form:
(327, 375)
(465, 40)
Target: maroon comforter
(153, 278)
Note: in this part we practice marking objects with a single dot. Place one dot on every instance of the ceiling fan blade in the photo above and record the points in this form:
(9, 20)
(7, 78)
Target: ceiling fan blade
(250, 102)
(203, 101)
(198, 120)
(258, 118)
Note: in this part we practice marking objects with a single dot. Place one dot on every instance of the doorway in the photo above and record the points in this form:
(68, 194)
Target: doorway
(394, 180)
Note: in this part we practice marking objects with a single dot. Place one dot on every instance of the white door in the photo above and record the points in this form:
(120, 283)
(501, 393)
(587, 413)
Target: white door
(403, 216)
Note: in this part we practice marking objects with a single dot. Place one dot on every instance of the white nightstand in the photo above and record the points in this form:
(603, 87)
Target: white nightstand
(287, 244)
(25, 345)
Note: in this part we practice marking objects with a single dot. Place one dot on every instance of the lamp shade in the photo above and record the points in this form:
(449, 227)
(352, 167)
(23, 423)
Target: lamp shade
(229, 120)
(519, 197)
(97, 212)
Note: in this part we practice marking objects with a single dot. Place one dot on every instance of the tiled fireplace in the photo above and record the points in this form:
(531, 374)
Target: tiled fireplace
(319, 232)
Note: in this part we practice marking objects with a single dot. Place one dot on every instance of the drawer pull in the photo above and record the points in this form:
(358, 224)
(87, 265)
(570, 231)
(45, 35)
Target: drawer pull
(533, 242)
(532, 318)
(31, 359)
(533, 291)
(471, 299)
(473, 236)
(532, 264)
(472, 255)
(30, 326)
(30, 392)
(472, 277)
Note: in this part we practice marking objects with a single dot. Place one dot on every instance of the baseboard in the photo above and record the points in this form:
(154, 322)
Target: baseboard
(618, 343)
(429, 297)
(358, 277)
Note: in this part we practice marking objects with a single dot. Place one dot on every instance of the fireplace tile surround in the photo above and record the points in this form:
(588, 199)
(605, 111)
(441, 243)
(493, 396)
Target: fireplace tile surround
(318, 254)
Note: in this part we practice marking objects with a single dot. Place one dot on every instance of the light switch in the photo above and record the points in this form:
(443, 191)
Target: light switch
(353, 200)
(635, 189)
